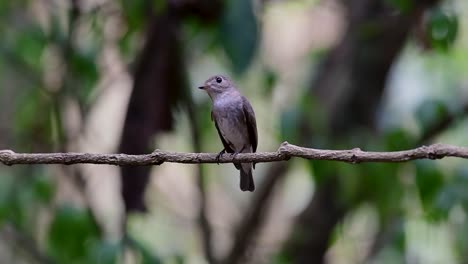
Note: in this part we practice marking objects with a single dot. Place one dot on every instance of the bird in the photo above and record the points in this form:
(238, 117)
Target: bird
(234, 119)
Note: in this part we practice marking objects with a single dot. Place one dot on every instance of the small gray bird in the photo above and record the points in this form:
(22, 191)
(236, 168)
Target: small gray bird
(234, 119)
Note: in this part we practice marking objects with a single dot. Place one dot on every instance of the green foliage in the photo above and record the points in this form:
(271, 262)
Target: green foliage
(22, 194)
(282, 258)
(238, 33)
(431, 112)
(399, 139)
(134, 12)
(29, 127)
(102, 252)
(403, 6)
(380, 185)
(74, 237)
(429, 180)
(85, 73)
(442, 29)
(43, 188)
(6, 184)
(29, 46)
(72, 231)
(289, 126)
(439, 196)
(270, 80)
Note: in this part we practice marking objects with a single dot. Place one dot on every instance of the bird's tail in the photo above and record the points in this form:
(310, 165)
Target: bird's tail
(246, 178)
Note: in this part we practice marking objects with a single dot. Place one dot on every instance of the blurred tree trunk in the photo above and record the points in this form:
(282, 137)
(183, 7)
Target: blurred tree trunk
(349, 86)
(159, 84)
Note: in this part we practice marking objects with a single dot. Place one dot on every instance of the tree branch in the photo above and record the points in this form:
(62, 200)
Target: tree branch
(285, 152)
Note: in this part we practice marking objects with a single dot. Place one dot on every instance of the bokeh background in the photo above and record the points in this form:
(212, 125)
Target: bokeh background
(121, 76)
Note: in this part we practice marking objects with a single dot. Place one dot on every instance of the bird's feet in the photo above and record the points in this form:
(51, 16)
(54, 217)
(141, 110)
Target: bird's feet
(234, 155)
(220, 154)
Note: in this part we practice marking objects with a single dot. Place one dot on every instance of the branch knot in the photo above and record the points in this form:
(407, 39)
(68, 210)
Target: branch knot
(156, 157)
(354, 158)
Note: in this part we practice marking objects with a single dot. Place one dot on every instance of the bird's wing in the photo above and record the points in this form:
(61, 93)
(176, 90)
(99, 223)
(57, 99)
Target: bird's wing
(226, 145)
(250, 122)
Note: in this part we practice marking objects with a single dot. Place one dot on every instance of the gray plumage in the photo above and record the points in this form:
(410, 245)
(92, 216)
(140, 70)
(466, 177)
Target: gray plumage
(235, 122)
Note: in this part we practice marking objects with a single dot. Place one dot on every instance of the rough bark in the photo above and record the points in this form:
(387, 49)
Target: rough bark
(285, 152)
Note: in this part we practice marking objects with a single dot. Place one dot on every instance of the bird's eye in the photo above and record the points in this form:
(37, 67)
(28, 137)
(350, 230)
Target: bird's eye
(219, 80)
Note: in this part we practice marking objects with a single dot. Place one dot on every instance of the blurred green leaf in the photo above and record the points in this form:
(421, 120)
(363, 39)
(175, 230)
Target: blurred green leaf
(239, 33)
(452, 193)
(429, 180)
(21, 204)
(460, 184)
(103, 252)
(282, 258)
(29, 46)
(380, 184)
(321, 169)
(442, 29)
(270, 80)
(399, 139)
(403, 6)
(6, 186)
(126, 42)
(135, 12)
(444, 202)
(31, 128)
(84, 69)
(289, 124)
(19, 197)
(431, 112)
(71, 233)
(43, 188)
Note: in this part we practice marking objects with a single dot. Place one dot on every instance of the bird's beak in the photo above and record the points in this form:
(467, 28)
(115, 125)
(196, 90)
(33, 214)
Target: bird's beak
(201, 87)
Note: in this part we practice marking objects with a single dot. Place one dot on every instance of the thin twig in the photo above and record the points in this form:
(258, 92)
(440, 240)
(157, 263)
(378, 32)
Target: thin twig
(285, 152)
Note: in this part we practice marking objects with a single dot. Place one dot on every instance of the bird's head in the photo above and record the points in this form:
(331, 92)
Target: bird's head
(216, 85)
